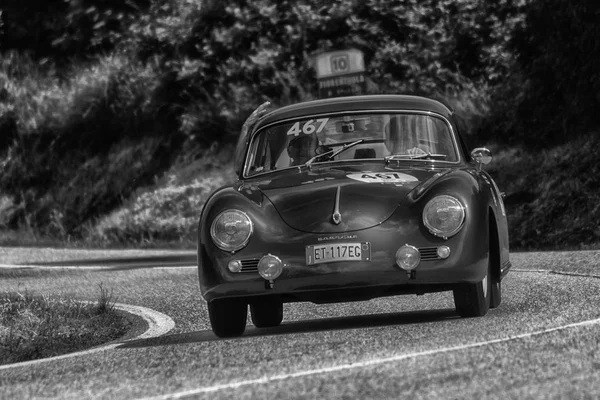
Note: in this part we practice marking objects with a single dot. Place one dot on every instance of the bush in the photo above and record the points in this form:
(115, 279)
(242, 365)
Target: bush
(232, 56)
(85, 144)
(60, 31)
(552, 95)
(169, 213)
(553, 194)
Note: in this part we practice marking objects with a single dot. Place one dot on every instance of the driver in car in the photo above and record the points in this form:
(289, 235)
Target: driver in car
(302, 148)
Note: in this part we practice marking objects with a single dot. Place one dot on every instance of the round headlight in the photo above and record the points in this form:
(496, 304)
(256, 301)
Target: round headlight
(231, 230)
(444, 216)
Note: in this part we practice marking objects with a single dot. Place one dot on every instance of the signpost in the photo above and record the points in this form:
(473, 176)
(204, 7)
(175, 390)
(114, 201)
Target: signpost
(341, 73)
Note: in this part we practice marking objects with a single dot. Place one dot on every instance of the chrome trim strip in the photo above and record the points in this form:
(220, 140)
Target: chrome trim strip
(337, 216)
(457, 148)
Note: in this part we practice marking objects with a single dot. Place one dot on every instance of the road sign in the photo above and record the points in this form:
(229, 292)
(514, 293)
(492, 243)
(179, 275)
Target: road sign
(341, 73)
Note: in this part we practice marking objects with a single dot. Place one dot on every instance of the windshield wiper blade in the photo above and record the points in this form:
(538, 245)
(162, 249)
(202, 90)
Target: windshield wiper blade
(332, 153)
(433, 156)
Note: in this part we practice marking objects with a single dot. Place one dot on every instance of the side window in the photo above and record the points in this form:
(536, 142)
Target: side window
(257, 157)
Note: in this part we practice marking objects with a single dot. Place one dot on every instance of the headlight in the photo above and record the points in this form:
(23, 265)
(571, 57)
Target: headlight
(444, 216)
(231, 230)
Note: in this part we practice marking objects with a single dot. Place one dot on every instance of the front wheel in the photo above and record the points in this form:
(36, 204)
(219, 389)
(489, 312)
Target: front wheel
(473, 299)
(266, 314)
(228, 317)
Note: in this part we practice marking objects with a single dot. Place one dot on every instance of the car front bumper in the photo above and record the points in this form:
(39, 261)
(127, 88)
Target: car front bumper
(467, 262)
(343, 281)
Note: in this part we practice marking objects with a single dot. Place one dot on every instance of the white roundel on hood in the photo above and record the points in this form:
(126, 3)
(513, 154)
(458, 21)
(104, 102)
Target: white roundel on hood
(383, 177)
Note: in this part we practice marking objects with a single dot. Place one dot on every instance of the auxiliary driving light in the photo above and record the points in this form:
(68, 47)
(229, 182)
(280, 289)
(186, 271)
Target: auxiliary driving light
(443, 252)
(235, 265)
(270, 267)
(408, 257)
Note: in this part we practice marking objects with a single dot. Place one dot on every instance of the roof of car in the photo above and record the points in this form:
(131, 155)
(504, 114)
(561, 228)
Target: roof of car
(356, 103)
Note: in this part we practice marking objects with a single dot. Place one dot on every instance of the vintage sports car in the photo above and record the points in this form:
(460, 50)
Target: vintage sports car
(348, 199)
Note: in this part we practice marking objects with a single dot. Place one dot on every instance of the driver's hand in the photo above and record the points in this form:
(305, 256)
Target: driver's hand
(415, 151)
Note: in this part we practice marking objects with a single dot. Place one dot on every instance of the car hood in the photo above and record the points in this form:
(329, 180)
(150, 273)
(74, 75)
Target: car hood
(308, 200)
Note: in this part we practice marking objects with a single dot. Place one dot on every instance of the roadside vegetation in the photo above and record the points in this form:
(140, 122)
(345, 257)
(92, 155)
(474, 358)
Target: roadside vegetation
(34, 326)
(553, 194)
(117, 119)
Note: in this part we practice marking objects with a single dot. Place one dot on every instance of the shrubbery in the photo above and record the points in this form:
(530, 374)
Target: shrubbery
(167, 214)
(147, 80)
(553, 194)
(61, 31)
(78, 147)
(98, 99)
(551, 96)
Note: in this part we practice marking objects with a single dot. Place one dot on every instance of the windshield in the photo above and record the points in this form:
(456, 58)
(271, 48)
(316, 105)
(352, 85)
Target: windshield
(293, 143)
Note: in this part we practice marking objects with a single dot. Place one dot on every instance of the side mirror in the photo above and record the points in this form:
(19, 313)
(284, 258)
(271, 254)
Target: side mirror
(481, 156)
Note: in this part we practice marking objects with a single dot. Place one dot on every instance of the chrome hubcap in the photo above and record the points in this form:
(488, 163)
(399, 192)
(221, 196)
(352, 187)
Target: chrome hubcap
(484, 282)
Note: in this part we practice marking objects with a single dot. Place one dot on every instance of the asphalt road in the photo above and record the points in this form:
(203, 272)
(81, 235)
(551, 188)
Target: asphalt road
(542, 342)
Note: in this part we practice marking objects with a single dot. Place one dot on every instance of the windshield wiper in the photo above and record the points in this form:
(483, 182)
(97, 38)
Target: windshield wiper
(332, 153)
(432, 156)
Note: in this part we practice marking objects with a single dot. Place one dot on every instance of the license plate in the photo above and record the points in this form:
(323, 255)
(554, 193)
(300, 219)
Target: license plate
(332, 252)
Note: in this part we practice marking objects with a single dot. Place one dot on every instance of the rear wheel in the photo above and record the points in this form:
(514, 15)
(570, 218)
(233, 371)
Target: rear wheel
(473, 299)
(228, 317)
(266, 314)
(496, 293)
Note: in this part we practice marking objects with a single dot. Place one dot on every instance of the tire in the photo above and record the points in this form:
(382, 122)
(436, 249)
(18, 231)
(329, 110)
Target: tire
(228, 317)
(496, 294)
(473, 299)
(266, 314)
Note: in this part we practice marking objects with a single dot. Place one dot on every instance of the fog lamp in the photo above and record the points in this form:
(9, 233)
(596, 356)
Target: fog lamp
(270, 267)
(408, 257)
(443, 252)
(235, 265)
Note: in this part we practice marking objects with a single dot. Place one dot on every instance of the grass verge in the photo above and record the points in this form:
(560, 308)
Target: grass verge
(39, 326)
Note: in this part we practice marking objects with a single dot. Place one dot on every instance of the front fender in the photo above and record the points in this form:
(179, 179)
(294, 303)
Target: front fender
(473, 192)
(262, 213)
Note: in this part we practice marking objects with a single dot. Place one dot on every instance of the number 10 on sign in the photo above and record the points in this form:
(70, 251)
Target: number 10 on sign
(340, 64)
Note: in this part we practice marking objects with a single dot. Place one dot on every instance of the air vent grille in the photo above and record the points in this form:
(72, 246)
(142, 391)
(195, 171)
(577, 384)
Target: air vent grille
(250, 265)
(428, 253)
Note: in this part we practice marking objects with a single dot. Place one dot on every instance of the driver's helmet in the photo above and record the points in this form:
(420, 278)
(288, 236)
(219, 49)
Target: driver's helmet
(302, 148)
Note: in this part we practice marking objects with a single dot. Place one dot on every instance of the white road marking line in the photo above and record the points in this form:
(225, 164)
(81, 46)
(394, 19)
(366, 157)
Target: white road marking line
(380, 361)
(550, 272)
(363, 364)
(158, 325)
(85, 267)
